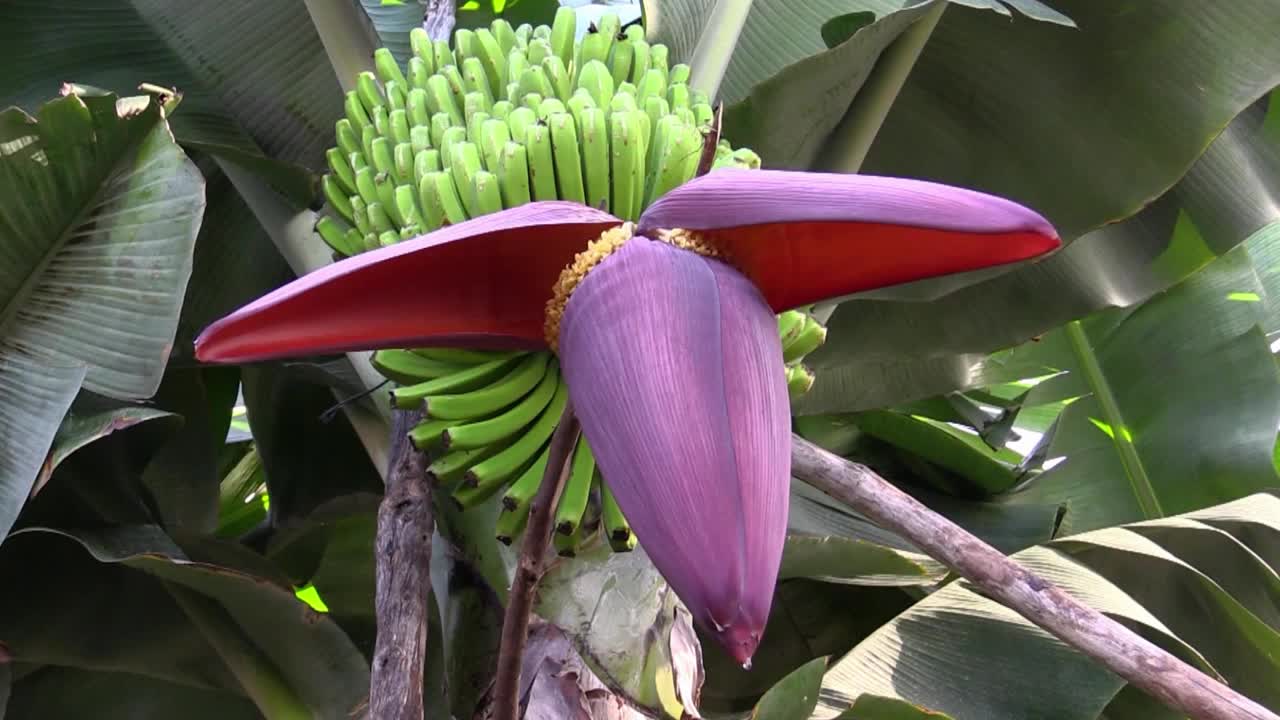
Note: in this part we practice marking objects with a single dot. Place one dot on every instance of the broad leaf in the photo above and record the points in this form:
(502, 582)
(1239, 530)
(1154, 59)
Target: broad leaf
(310, 654)
(878, 707)
(80, 428)
(913, 342)
(1200, 611)
(257, 86)
(794, 696)
(99, 211)
(62, 693)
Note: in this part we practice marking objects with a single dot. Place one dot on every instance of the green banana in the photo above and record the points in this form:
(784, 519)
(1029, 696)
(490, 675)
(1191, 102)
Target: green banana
(388, 238)
(420, 43)
(650, 86)
(348, 141)
(356, 116)
(513, 174)
(523, 33)
(790, 322)
(507, 463)
(518, 122)
(531, 100)
(558, 76)
(616, 527)
(501, 109)
(409, 397)
(799, 380)
(361, 213)
(746, 158)
(626, 155)
(364, 185)
(341, 171)
(487, 432)
(488, 196)
(703, 115)
(542, 169)
(451, 138)
(658, 60)
(594, 47)
(381, 120)
(425, 161)
(475, 119)
(807, 340)
(476, 79)
(568, 161)
(567, 545)
(577, 489)
(334, 236)
(679, 75)
(622, 103)
(550, 106)
(387, 68)
(499, 394)
(538, 51)
(425, 435)
(440, 122)
(464, 41)
(407, 207)
(596, 79)
(678, 96)
(385, 184)
(610, 26)
(515, 502)
(639, 57)
(494, 59)
(443, 197)
(397, 96)
(593, 136)
(369, 93)
(464, 163)
(440, 100)
(677, 161)
(626, 87)
(504, 34)
(380, 155)
(563, 32)
(534, 80)
(494, 136)
(517, 63)
(442, 54)
(620, 61)
(379, 219)
(402, 161)
(335, 196)
(450, 467)
(407, 368)
(457, 87)
(419, 115)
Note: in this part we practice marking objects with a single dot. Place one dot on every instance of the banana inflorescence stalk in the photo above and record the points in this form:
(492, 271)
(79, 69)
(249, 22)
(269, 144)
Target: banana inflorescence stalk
(506, 116)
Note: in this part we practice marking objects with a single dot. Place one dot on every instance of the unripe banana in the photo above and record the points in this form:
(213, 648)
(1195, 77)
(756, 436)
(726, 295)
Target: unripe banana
(515, 502)
(450, 467)
(625, 87)
(381, 122)
(703, 115)
(531, 101)
(534, 80)
(513, 174)
(518, 122)
(457, 87)
(464, 44)
(799, 380)
(494, 59)
(616, 527)
(653, 84)
(385, 185)
(679, 75)
(475, 120)
(444, 196)
(626, 157)
(452, 136)
(658, 60)
(422, 48)
(407, 209)
(634, 33)
(407, 368)
(568, 545)
(425, 161)
(686, 116)
(639, 57)
(440, 100)
(348, 140)
(593, 137)
(610, 26)
(369, 93)
(541, 31)
(440, 122)
(432, 207)
(504, 34)
(746, 158)
(334, 236)
(442, 54)
(678, 96)
(494, 135)
(501, 109)
(808, 339)
(508, 423)
(341, 170)
(622, 102)
(558, 76)
(476, 80)
(524, 32)
(379, 219)
(364, 185)
(360, 213)
(409, 397)
(403, 157)
(493, 397)
(597, 80)
(790, 323)
(380, 155)
(517, 63)
(568, 159)
(542, 169)
(488, 196)
(464, 163)
(507, 463)
(358, 161)
(397, 96)
(419, 115)
(388, 238)
(420, 138)
(564, 29)
(538, 51)
(577, 489)
(549, 107)
(593, 48)
(620, 62)
(425, 436)
(580, 101)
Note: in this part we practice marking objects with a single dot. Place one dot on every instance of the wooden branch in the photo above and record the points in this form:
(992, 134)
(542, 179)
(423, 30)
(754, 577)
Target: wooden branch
(1120, 650)
(532, 564)
(439, 19)
(403, 547)
(710, 141)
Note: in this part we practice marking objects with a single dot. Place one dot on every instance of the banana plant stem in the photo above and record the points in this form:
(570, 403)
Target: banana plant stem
(346, 36)
(403, 579)
(710, 58)
(1120, 650)
(531, 566)
(1120, 437)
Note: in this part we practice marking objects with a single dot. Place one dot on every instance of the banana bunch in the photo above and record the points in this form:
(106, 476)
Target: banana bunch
(508, 116)
(489, 417)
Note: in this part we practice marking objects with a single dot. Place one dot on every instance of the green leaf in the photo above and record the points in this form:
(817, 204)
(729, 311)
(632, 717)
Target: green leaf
(965, 454)
(100, 211)
(856, 562)
(915, 341)
(878, 707)
(795, 696)
(311, 654)
(1209, 442)
(61, 693)
(80, 428)
(257, 87)
(841, 27)
(1135, 574)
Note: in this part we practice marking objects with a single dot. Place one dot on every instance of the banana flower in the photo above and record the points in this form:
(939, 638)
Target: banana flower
(666, 333)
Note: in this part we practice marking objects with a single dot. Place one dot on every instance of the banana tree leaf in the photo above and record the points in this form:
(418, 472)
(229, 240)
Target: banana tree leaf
(794, 696)
(60, 693)
(258, 88)
(927, 654)
(856, 562)
(1152, 451)
(878, 707)
(627, 625)
(313, 656)
(81, 428)
(100, 211)
(911, 342)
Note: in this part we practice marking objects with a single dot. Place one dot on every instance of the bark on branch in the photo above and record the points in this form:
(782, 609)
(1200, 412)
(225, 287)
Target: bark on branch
(1120, 650)
(403, 547)
(439, 19)
(530, 567)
